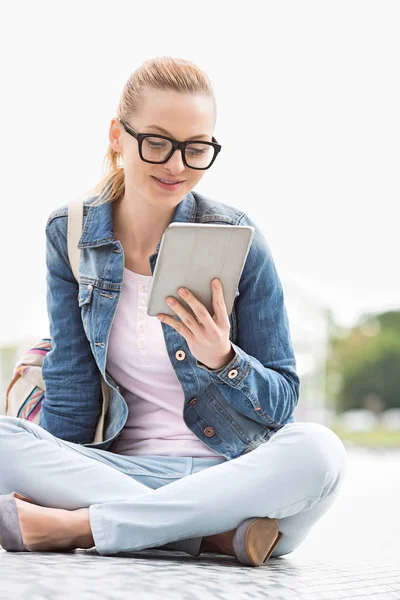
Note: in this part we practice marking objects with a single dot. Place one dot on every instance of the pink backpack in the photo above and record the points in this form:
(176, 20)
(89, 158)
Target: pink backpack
(27, 389)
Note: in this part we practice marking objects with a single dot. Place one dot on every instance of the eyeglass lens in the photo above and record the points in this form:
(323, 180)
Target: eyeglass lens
(197, 154)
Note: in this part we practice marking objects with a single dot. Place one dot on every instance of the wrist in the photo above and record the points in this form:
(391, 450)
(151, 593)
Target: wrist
(225, 360)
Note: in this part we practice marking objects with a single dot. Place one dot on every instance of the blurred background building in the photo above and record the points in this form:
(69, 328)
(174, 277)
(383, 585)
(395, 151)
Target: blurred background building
(310, 328)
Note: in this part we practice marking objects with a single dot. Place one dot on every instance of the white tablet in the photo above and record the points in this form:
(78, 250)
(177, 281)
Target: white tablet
(191, 255)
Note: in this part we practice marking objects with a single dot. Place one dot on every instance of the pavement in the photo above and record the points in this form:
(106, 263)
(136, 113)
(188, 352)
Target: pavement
(353, 552)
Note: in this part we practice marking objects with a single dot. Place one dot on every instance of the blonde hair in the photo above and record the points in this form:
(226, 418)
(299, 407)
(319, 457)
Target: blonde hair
(160, 73)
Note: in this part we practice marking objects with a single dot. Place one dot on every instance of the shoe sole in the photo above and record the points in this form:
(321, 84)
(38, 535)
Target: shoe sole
(255, 540)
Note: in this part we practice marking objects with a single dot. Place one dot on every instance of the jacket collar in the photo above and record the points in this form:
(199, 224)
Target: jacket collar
(98, 229)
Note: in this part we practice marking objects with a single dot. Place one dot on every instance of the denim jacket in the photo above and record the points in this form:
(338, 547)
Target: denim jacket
(232, 409)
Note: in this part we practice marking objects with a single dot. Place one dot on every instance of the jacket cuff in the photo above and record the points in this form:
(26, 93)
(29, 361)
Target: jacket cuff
(235, 371)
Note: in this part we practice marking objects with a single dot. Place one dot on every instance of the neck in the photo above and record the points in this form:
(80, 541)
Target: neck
(138, 225)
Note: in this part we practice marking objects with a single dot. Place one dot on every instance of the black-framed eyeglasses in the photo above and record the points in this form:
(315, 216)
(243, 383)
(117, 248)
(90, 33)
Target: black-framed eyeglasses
(157, 149)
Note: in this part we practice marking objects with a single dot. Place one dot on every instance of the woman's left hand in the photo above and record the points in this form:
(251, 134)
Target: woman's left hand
(207, 336)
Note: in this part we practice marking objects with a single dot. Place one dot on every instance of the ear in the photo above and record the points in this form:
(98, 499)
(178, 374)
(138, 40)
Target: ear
(114, 135)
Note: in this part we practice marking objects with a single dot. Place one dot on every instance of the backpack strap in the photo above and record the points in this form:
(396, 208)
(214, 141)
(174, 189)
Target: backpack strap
(75, 224)
(74, 231)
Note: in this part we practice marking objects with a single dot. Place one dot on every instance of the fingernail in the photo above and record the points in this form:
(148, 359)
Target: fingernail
(216, 283)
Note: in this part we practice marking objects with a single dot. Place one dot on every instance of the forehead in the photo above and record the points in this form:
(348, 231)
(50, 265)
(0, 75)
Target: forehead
(179, 113)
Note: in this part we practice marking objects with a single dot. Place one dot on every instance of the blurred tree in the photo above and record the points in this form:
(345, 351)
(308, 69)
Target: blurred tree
(364, 364)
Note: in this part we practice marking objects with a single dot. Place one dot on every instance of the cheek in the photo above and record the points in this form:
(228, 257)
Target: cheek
(138, 170)
(194, 177)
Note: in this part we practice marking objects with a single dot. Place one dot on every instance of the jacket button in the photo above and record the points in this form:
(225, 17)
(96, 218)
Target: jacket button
(193, 402)
(90, 287)
(232, 374)
(209, 432)
(180, 355)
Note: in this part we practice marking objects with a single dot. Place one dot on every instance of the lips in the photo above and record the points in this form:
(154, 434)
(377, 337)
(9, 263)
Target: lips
(169, 181)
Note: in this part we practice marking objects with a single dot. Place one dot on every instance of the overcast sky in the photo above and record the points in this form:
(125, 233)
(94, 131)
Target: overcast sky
(308, 99)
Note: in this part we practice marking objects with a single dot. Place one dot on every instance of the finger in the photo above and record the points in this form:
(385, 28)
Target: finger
(190, 321)
(218, 301)
(177, 325)
(201, 314)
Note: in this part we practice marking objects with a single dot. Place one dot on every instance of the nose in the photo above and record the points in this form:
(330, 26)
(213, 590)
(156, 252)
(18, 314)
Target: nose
(175, 162)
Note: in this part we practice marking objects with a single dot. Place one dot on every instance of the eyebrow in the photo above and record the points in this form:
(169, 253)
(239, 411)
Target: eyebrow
(194, 137)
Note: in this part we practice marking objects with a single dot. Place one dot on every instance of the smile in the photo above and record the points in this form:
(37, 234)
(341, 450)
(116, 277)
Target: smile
(167, 184)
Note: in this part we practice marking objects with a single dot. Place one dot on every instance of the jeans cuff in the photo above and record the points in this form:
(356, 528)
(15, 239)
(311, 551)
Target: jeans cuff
(191, 546)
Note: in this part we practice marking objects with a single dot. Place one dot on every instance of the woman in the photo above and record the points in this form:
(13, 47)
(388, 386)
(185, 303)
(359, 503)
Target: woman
(201, 451)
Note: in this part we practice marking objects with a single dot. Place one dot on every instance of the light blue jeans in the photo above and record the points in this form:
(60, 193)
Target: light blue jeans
(171, 502)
